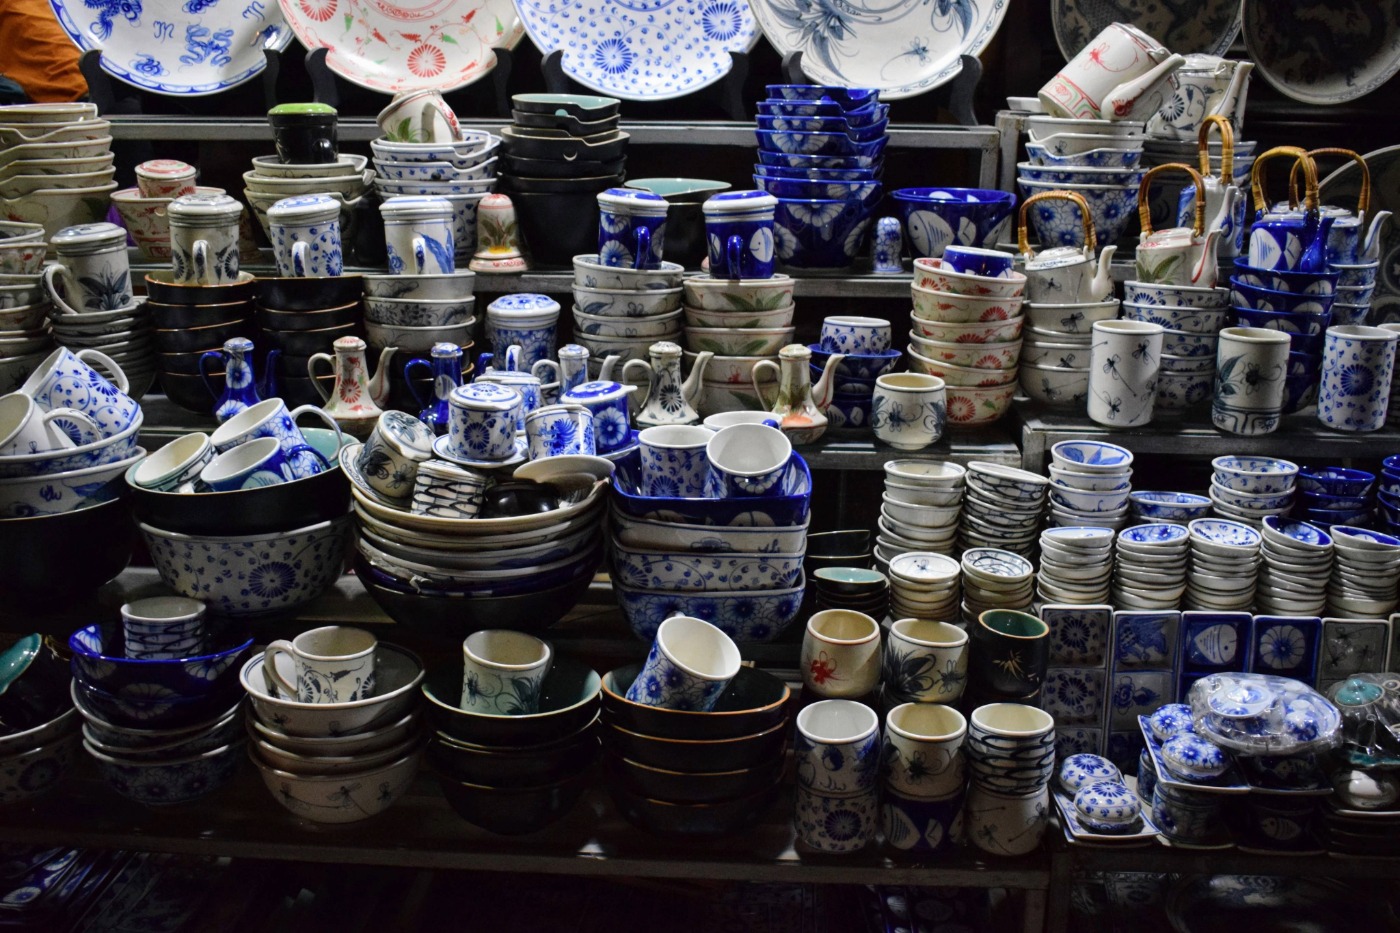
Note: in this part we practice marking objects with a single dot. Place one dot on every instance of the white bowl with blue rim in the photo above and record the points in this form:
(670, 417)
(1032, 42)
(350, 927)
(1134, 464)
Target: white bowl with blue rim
(1257, 475)
(1223, 538)
(1246, 500)
(1167, 506)
(942, 474)
(1008, 482)
(1188, 320)
(1102, 157)
(1078, 174)
(913, 494)
(1151, 294)
(708, 573)
(1091, 456)
(1063, 478)
(1089, 500)
(1296, 535)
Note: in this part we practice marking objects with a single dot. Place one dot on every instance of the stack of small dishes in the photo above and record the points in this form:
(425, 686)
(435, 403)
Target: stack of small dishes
(747, 306)
(712, 773)
(1297, 566)
(562, 150)
(925, 585)
(1076, 565)
(1296, 303)
(40, 741)
(936, 218)
(1163, 506)
(853, 588)
(300, 317)
(1096, 159)
(191, 320)
(1356, 285)
(610, 292)
(513, 774)
(920, 506)
(1149, 570)
(414, 312)
(161, 731)
(821, 223)
(55, 164)
(1335, 495)
(849, 548)
(1090, 482)
(25, 337)
(337, 762)
(995, 579)
(1224, 565)
(1055, 357)
(1002, 509)
(346, 179)
(1249, 489)
(1364, 574)
(1183, 381)
(979, 392)
(459, 170)
(917, 482)
(1388, 495)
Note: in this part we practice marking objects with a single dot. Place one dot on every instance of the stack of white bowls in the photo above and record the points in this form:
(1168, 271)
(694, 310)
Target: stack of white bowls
(463, 171)
(980, 377)
(917, 482)
(1150, 567)
(1055, 357)
(735, 332)
(1250, 489)
(271, 180)
(758, 308)
(1297, 565)
(924, 585)
(1096, 159)
(55, 164)
(1192, 317)
(25, 338)
(1090, 482)
(926, 515)
(1224, 565)
(622, 312)
(1365, 573)
(995, 579)
(1002, 508)
(1076, 566)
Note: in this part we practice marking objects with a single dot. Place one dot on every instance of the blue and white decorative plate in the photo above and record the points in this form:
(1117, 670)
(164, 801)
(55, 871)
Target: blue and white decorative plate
(902, 48)
(184, 50)
(1208, 26)
(641, 49)
(1323, 51)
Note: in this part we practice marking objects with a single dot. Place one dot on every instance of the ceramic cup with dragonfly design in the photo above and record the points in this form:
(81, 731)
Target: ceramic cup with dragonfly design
(923, 749)
(93, 268)
(925, 661)
(840, 654)
(204, 238)
(1124, 360)
(1251, 364)
(502, 672)
(332, 664)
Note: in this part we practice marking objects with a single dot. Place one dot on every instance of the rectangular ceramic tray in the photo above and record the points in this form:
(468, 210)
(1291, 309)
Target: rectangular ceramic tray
(1076, 834)
(1231, 782)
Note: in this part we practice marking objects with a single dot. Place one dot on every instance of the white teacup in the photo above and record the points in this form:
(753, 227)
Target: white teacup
(25, 428)
(332, 664)
(419, 117)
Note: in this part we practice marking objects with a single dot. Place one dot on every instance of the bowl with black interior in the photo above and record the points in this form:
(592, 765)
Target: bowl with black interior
(524, 766)
(292, 293)
(174, 316)
(721, 818)
(162, 287)
(91, 546)
(692, 786)
(732, 754)
(568, 703)
(191, 339)
(754, 702)
(306, 342)
(514, 811)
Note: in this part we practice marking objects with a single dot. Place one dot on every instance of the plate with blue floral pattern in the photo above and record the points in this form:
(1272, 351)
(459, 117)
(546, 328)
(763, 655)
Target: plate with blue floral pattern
(901, 47)
(184, 50)
(641, 49)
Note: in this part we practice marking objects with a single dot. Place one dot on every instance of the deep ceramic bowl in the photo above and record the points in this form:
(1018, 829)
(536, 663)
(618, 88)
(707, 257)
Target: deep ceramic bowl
(158, 783)
(1179, 507)
(513, 811)
(865, 192)
(754, 702)
(841, 145)
(37, 770)
(155, 707)
(1254, 298)
(514, 766)
(194, 740)
(399, 673)
(753, 617)
(1058, 223)
(337, 746)
(863, 366)
(42, 734)
(99, 659)
(92, 545)
(1335, 481)
(341, 798)
(1106, 157)
(1322, 284)
(119, 446)
(695, 755)
(1293, 323)
(1077, 174)
(720, 818)
(684, 787)
(1255, 475)
(934, 218)
(820, 234)
(568, 702)
(59, 493)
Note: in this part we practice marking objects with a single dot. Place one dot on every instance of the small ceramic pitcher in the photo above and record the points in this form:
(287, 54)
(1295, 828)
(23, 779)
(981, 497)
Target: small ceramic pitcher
(93, 266)
(354, 401)
(799, 403)
(204, 238)
(664, 397)
(445, 368)
(240, 386)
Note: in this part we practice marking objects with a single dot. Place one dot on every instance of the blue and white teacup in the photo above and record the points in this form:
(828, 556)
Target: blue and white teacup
(484, 416)
(739, 234)
(445, 490)
(748, 460)
(25, 428)
(331, 664)
(163, 628)
(837, 747)
(608, 402)
(175, 464)
(674, 464)
(305, 235)
(270, 418)
(392, 454)
(1358, 364)
(971, 260)
(528, 385)
(852, 334)
(560, 430)
(256, 463)
(65, 380)
(836, 824)
(690, 664)
(418, 235)
(631, 228)
(502, 672)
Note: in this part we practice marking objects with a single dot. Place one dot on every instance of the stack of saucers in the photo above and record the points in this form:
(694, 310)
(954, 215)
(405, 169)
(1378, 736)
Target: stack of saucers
(1055, 352)
(608, 298)
(925, 585)
(1184, 380)
(1334, 496)
(1076, 565)
(918, 482)
(995, 579)
(1388, 494)
(1003, 507)
(1224, 565)
(1150, 567)
(1249, 489)
(924, 515)
(25, 338)
(853, 588)
(1089, 484)
(1164, 506)
(1096, 159)
(1364, 574)
(1297, 565)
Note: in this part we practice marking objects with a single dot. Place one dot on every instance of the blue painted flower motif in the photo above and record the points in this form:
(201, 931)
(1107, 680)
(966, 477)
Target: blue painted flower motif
(272, 580)
(722, 20)
(842, 825)
(613, 56)
(611, 428)
(1357, 379)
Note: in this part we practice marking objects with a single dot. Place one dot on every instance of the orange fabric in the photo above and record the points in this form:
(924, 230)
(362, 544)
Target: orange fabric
(37, 54)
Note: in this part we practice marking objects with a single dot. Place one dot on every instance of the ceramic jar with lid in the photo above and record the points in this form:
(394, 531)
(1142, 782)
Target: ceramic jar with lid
(92, 267)
(527, 320)
(739, 231)
(204, 238)
(418, 235)
(631, 228)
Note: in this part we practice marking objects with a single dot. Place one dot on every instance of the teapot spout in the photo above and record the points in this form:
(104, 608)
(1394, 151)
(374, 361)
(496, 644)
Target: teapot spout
(1144, 94)
(1371, 249)
(1225, 107)
(379, 382)
(690, 389)
(268, 387)
(1103, 276)
(825, 387)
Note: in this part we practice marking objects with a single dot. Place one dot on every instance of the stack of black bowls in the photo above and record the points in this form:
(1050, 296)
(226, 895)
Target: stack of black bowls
(191, 320)
(300, 317)
(561, 151)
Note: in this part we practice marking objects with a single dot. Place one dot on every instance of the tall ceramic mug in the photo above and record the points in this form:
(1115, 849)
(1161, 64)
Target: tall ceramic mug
(420, 116)
(631, 228)
(93, 267)
(1250, 368)
(305, 234)
(418, 235)
(840, 654)
(65, 380)
(484, 417)
(739, 232)
(1124, 359)
(204, 238)
(1358, 364)
(673, 460)
(909, 411)
(690, 664)
(1119, 75)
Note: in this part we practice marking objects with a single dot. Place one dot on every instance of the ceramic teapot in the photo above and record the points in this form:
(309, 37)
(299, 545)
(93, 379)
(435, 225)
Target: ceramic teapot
(1289, 241)
(241, 388)
(1346, 245)
(663, 398)
(1204, 86)
(1231, 239)
(799, 404)
(354, 402)
(1065, 274)
(1180, 256)
(1122, 74)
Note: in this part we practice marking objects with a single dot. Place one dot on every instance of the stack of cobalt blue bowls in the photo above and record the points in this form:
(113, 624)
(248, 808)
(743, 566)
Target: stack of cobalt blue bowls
(1388, 496)
(1340, 496)
(1296, 303)
(820, 153)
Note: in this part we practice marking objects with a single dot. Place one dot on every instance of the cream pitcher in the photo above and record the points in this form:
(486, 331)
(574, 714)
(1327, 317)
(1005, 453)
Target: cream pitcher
(800, 404)
(662, 396)
(1065, 274)
(355, 400)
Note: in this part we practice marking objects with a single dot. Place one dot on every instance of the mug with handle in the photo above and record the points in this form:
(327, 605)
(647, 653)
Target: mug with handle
(418, 235)
(631, 228)
(739, 231)
(26, 428)
(270, 418)
(66, 380)
(331, 664)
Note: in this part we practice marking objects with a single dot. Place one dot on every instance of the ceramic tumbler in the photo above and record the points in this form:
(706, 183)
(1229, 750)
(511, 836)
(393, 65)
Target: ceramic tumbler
(739, 234)
(503, 672)
(92, 265)
(420, 116)
(886, 247)
(1251, 364)
(631, 228)
(1121, 74)
(250, 465)
(837, 747)
(526, 320)
(690, 664)
(65, 380)
(925, 661)
(909, 411)
(559, 430)
(971, 260)
(608, 402)
(175, 464)
(25, 428)
(921, 824)
(163, 628)
(270, 418)
(165, 178)
(923, 750)
(1358, 364)
(840, 654)
(305, 134)
(1009, 652)
(331, 664)
(305, 234)
(418, 236)
(747, 460)
(393, 452)
(204, 238)
(445, 490)
(836, 825)
(674, 464)
(1124, 359)
(1005, 824)
(484, 416)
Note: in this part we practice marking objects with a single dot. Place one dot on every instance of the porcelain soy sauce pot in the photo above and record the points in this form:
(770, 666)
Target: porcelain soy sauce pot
(354, 402)
(445, 368)
(1065, 274)
(241, 388)
(663, 397)
(799, 404)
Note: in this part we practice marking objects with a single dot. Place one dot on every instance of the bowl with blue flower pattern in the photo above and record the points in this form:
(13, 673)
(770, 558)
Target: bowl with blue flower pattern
(1335, 481)
(1105, 157)
(1091, 456)
(790, 506)
(802, 160)
(99, 659)
(859, 366)
(861, 132)
(822, 144)
(866, 192)
(749, 617)
(1177, 507)
(1058, 223)
(1256, 475)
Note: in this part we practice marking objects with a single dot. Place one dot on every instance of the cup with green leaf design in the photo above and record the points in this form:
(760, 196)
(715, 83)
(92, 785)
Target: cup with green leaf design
(925, 662)
(502, 672)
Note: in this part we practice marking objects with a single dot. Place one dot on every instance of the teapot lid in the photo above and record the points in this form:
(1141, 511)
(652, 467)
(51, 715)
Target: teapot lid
(597, 390)
(523, 304)
(415, 207)
(1059, 257)
(205, 205)
(445, 350)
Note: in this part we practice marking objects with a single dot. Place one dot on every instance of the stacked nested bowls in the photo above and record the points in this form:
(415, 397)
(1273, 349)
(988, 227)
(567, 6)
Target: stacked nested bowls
(1003, 508)
(1090, 482)
(925, 585)
(40, 738)
(1096, 159)
(1388, 495)
(1149, 570)
(1297, 565)
(734, 562)
(25, 337)
(1224, 565)
(711, 773)
(1010, 751)
(980, 376)
(55, 164)
(1336, 496)
(346, 179)
(821, 222)
(1178, 508)
(1076, 565)
(300, 317)
(919, 483)
(612, 297)
(146, 221)
(1365, 573)
(561, 151)
(732, 310)
(1298, 304)
(1184, 380)
(995, 579)
(413, 323)
(191, 320)
(337, 762)
(1249, 489)
(160, 731)
(461, 171)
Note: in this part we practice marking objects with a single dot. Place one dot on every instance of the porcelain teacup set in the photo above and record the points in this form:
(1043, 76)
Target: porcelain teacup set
(690, 461)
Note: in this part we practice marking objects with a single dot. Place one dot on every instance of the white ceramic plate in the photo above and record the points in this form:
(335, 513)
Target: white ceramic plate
(406, 45)
(641, 49)
(184, 50)
(1184, 26)
(1342, 187)
(1323, 51)
(902, 48)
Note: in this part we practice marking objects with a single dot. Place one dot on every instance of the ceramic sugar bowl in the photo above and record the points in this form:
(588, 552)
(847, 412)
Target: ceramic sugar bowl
(1107, 807)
